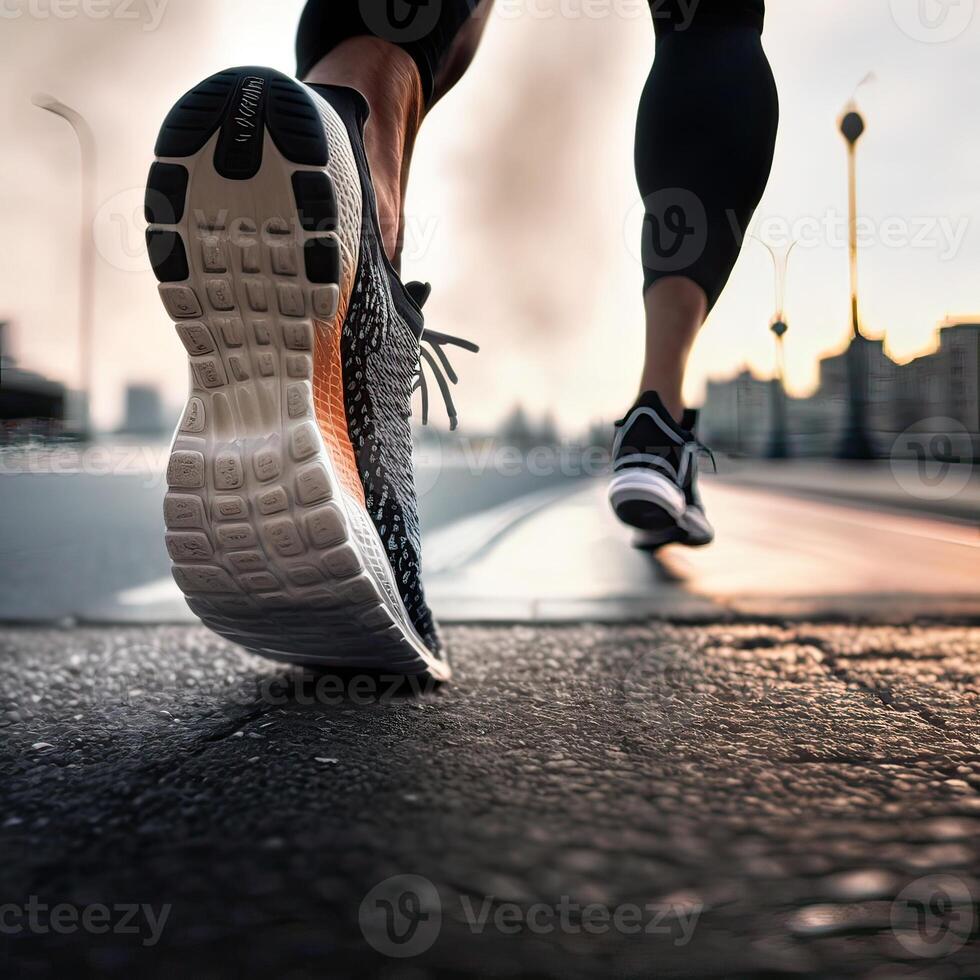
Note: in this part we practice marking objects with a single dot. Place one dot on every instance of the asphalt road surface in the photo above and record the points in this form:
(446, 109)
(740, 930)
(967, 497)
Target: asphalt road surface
(760, 759)
(738, 800)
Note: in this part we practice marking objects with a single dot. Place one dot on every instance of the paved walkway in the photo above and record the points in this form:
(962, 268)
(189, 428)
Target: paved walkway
(760, 783)
(585, 801)
(559, 555)
(951, 491)
(774, 555)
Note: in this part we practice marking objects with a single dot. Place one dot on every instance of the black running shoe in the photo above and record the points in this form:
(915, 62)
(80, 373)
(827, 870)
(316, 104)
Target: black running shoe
(291, 513)
(654, 486)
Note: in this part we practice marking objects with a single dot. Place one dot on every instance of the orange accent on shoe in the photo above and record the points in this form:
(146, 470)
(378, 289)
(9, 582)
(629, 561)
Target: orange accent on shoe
(328, 401)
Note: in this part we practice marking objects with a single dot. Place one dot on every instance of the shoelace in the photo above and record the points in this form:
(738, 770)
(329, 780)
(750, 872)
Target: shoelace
(436, 341)
(693, 449)
(419, 291)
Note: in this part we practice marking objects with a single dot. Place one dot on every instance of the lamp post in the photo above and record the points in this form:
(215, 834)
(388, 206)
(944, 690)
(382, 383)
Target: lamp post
(855, 444)
(86, 267)
(779, 427)
(779, 437)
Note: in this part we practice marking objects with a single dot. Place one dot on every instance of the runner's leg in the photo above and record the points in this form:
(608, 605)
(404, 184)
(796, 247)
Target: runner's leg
(705, 135)
(401, 70)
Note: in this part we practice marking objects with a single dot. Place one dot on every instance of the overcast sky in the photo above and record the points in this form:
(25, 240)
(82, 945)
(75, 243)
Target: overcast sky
(522, 207)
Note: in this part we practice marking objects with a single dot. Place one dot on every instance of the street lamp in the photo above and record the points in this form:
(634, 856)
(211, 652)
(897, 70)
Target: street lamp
(852, 127)
(86, 269)
(856, 444)
(779, 437)
(779, 433)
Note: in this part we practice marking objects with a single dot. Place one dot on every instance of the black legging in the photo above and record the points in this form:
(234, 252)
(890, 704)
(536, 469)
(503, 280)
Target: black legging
(705, 131)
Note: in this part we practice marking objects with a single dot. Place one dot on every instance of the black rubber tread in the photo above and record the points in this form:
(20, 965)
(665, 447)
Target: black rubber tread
(322, 259)
(196, 116)
(166, 193)
(238, 155)
(294, 121)
(645, 515)
(287, 110)
(315, 200)
(167, 255)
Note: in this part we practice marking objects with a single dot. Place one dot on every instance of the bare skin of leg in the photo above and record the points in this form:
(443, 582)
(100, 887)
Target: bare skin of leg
(675, 309)
(389, 79)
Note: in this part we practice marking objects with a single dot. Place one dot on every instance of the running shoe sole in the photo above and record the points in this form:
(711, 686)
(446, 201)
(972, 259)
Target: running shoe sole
(646, 500)
(657, 508)
(657, 539)
(686, 532)
(254, 224)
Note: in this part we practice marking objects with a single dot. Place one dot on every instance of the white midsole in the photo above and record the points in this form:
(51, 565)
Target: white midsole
(299, 568)
(649, 487)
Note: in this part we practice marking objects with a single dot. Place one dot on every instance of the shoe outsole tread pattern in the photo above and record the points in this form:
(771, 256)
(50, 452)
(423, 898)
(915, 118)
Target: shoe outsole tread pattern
(269, 542)
(659, 512)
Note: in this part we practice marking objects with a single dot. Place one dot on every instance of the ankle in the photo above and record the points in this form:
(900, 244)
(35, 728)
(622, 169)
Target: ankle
(675, 309)
(389, 80)
(670, 396)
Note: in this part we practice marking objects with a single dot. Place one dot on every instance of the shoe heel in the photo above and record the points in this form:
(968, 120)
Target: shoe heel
(242, 102)
(254, 228)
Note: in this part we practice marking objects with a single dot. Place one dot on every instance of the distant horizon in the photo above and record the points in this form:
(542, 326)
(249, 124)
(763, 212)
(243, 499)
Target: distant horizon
(735, 372)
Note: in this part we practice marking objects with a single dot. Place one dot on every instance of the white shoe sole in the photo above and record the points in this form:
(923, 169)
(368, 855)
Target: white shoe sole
(643, 486)
(661, 502)
(266, 524)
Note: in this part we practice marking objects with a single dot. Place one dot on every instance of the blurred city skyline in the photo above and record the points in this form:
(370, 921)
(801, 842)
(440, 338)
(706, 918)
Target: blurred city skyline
(527, 229)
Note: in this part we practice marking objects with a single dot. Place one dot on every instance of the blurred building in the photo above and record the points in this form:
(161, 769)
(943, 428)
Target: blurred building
(144, 414)
(519, 430)
(30, 404)
(737, 414)
(942, 384)
(938, 391)
(833, 391)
